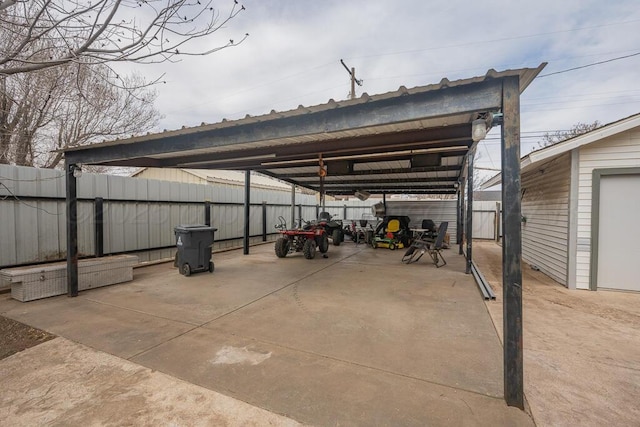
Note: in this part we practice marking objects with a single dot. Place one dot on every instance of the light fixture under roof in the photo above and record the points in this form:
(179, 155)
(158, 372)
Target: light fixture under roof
(362, 195)
(478, 130)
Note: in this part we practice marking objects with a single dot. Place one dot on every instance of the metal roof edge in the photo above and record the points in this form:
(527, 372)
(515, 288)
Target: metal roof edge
(494, 180)
(526, 77)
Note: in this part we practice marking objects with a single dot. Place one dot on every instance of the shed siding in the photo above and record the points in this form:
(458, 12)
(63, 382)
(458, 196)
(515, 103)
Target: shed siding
(545, 204)
(618, 151)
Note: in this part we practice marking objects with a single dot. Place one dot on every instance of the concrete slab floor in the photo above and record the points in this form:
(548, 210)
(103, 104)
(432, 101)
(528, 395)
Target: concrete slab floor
(357, 338)
(581, 348)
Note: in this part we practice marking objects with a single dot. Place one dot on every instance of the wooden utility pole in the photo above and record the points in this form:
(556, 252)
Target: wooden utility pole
(354, 81)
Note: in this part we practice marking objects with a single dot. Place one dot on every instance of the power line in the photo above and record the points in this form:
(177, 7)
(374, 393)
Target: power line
(589, 65)
(496, 40)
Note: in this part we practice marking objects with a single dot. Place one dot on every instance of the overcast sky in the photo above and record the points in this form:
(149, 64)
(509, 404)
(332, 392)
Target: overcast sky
(293, 53)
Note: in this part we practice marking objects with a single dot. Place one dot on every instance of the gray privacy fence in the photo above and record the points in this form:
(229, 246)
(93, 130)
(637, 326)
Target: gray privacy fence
(126, 215)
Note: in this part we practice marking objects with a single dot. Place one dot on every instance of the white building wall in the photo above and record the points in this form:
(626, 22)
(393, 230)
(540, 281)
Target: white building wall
(618, 151)
(545, 205)
(170, 174)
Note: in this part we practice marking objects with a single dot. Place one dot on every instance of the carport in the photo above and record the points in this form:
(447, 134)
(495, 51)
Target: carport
(419, 140)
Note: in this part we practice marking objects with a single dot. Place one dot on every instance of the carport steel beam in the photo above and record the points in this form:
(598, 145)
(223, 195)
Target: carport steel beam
(512, 245)
(481, 96)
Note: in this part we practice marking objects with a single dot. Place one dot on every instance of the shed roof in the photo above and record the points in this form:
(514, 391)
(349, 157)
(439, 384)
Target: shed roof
(406, 141)
(560, 148)
(232, 177)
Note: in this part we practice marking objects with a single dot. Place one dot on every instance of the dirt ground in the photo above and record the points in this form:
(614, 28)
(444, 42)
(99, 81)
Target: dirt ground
(16, 336)
(581, 359)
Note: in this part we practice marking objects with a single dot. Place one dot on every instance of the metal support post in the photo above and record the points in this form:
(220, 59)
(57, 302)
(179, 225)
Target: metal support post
(72, 229)
(512, 245)
(344, 214)
(459, 221)
(470, 211)
(207, 213)
(264, 221)
(247, 207)
(463, 185)
(293, 205)
(300, 214)
(98, 221)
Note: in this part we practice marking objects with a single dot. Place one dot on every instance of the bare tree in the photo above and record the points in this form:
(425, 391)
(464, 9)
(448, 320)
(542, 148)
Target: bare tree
(68, 106)
(559, 136)
(39, 34)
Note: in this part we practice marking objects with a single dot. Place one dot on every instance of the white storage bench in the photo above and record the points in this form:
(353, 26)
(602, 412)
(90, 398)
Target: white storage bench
(47, 280)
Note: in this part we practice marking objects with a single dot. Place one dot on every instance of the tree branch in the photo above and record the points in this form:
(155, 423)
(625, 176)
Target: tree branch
(79, 36)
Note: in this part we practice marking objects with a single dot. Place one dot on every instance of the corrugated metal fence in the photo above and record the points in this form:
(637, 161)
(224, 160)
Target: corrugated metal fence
(138, 214)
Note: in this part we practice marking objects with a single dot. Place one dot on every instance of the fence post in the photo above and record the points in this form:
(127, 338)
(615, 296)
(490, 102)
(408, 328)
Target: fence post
(72, 228)
(345, 213)
(247, 210)
(207, 213)
(300, 214)
(317, 211)
(98, 224)
(264, 220)
(470, 211)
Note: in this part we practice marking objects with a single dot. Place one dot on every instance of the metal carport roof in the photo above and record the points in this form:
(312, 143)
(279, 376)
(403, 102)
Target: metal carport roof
(406, 141)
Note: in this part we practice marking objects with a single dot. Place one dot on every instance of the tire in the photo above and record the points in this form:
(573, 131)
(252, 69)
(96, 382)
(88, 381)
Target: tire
(186, 269)
(309, 249)
(282, 247)
(323, 243)
(392, 246)
(335, 236)
(211, 267)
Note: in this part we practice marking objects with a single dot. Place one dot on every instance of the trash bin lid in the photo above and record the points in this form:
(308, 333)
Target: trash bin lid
(194, 227)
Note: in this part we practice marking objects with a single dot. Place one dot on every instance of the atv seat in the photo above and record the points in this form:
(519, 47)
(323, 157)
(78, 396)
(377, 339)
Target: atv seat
(324, 216)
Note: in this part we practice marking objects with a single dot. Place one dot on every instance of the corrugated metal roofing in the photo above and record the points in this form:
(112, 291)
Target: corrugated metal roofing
(410, 139)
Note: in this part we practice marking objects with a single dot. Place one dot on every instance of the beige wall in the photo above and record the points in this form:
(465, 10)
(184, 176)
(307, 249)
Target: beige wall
(618, 151)
(545, 205)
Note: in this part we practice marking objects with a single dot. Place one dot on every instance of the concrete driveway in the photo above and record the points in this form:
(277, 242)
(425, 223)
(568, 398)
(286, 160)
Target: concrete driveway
(357, 338)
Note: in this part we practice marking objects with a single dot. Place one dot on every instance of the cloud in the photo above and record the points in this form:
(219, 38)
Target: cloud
(292, 57)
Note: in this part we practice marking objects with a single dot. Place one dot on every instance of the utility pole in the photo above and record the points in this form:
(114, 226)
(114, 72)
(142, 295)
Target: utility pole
(354, 81)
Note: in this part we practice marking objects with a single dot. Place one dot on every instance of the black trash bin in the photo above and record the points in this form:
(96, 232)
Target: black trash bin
(194, 248)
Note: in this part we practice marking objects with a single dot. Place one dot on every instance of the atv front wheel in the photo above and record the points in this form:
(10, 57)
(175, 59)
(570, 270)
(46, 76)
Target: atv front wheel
(337, 237)
(323, 243)
(282, 247)
(309, 249)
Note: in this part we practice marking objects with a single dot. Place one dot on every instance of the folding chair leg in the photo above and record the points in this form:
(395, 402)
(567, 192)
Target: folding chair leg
(437, 258)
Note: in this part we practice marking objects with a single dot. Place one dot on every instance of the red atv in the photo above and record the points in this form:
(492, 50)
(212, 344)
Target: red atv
(305, 239)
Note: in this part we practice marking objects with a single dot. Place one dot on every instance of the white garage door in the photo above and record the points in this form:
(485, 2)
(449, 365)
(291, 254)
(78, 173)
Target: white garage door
(619, 233)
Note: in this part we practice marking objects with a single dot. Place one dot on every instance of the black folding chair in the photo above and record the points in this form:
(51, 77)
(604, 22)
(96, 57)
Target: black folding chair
(436, 248)
(428, 245)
